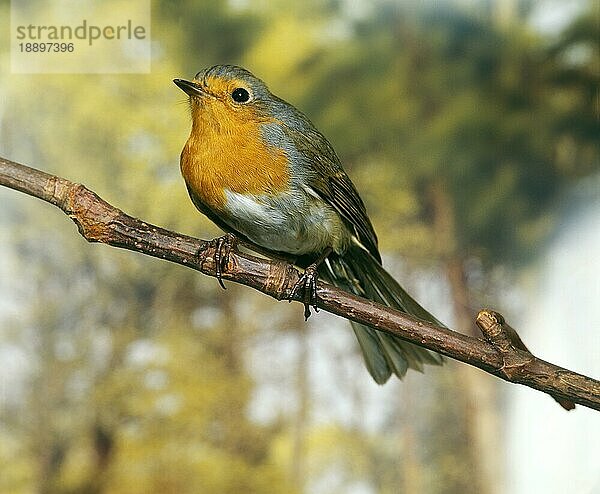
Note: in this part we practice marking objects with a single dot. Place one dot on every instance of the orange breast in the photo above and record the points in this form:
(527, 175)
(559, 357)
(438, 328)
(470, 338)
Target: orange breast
(226, 150)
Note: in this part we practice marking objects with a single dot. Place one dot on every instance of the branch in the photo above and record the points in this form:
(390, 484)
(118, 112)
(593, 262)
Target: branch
(500, 355)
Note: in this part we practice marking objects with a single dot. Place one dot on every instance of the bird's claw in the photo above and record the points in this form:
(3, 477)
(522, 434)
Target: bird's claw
(307, 285)
(222, 249)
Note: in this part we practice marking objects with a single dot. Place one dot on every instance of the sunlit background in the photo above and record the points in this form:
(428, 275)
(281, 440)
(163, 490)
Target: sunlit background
(471, 130)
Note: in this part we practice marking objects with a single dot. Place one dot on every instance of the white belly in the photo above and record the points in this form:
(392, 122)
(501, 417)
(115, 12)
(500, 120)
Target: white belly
(295, 223)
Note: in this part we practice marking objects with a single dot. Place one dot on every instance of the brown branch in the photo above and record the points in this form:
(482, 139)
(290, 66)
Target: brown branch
(501, 355)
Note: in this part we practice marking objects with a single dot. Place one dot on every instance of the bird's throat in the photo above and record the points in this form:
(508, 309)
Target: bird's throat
(231, 155)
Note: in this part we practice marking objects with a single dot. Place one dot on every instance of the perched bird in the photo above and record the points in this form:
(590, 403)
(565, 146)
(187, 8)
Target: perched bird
(259, 169)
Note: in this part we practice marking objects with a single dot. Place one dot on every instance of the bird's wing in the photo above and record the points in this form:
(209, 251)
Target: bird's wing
(331, 183)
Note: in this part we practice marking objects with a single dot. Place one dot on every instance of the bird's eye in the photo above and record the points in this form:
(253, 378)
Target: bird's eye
(240, 95)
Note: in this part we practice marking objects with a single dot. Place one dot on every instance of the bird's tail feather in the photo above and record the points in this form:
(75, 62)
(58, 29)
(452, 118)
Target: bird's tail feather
(358, 272)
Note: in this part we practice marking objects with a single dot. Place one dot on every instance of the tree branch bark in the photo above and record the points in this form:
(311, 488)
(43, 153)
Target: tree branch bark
(99, 221)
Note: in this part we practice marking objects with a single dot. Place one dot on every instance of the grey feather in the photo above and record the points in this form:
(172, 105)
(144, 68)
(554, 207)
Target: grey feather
(358, 272)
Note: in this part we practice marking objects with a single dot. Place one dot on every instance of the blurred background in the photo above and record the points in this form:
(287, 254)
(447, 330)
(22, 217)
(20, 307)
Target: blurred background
(470, 127)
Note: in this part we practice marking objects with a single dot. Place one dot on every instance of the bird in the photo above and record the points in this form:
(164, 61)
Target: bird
(261, 171)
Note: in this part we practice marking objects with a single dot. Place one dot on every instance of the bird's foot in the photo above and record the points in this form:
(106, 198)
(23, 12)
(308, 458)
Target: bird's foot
(222, 249)
(307, 286)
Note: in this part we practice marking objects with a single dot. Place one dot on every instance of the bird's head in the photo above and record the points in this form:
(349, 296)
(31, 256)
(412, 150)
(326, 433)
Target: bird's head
(227, 92)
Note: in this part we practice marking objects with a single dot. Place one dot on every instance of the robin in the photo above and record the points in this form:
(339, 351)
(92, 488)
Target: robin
(259, 169)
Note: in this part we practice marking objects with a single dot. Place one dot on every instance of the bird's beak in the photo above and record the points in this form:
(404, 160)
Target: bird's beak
(189, 87)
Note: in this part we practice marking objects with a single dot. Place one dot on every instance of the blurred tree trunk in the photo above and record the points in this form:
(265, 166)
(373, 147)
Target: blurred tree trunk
(412, 470)
(300, 425)
(49, 447)
(103, 444)
(481, 422)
